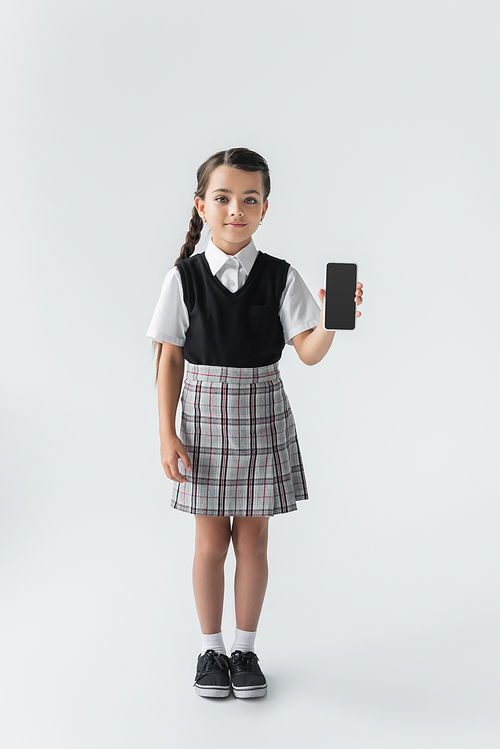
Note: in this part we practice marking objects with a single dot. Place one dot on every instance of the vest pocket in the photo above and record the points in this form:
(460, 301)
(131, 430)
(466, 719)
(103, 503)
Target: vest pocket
(262, 318)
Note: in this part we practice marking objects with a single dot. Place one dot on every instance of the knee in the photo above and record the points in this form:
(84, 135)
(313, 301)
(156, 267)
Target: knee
(213, 547)
(250, 543)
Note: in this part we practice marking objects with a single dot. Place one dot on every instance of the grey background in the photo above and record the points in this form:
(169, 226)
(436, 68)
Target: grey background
(380, 124)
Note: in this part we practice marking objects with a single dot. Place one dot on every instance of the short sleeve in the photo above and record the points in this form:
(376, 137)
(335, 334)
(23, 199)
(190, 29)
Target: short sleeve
(170, 319)
(299, 310)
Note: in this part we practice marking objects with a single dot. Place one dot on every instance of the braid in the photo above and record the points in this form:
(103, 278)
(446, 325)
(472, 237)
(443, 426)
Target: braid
(192, 237)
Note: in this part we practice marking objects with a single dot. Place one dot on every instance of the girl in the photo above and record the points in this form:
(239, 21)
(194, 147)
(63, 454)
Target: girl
(228, 313)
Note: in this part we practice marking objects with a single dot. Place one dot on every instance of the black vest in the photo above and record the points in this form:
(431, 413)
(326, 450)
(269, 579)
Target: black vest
(240, 329)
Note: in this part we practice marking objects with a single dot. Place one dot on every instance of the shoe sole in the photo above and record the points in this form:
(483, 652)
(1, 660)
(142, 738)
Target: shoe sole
(212, 691)
(246, 692)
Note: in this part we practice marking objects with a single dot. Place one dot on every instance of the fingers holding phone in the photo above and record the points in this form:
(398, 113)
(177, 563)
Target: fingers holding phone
(359, 296)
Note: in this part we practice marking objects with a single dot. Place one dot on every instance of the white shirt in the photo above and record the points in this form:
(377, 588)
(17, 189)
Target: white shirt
(298, 310)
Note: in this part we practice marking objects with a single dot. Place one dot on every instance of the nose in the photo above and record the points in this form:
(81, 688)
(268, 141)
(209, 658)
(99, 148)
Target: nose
(235, 209)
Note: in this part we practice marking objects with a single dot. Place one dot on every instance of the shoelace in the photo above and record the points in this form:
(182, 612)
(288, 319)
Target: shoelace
(244, 661)
(213, 662)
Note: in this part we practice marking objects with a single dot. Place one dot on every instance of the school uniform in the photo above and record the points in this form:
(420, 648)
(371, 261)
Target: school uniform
(233, 315)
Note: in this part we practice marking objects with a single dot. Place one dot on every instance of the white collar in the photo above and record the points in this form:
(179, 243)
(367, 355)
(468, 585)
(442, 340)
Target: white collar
(216, 257)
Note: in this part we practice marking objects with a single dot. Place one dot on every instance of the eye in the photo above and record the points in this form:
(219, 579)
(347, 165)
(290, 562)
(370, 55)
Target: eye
(223, 198)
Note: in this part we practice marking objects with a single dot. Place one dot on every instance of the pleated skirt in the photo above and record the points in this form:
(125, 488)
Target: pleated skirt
(239, 432)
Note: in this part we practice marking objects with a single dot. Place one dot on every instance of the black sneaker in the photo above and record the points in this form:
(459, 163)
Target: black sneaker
(212, 675)
(246, 677)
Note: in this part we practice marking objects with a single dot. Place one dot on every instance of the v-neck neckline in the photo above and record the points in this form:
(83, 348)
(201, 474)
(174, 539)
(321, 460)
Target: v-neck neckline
(221, 285)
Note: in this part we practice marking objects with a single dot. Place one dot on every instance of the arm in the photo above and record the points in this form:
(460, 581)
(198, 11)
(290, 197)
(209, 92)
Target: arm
(170, 375)
(312, 345)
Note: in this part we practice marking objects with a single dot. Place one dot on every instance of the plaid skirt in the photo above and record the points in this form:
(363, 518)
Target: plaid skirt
(239, 432)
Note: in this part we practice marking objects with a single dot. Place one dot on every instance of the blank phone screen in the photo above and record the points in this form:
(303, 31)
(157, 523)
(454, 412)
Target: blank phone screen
(340, 307)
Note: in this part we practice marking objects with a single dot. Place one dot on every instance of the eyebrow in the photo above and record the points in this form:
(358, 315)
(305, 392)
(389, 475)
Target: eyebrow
(247, 192)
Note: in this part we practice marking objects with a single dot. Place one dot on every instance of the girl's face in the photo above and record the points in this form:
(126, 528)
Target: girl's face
(233, 207)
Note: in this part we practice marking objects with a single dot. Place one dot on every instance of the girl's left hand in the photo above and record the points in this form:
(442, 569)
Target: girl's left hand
(358, 298)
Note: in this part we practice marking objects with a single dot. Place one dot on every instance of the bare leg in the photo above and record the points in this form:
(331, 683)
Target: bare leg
(213, 535)
(250, 580)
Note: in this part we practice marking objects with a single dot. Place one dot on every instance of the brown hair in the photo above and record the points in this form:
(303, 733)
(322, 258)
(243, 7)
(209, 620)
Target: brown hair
(235, 158)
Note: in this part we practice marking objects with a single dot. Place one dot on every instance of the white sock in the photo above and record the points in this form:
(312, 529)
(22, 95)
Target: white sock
(213, 642)
(243, 641)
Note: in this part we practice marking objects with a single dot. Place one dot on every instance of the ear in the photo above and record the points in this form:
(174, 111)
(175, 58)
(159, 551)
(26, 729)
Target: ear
(264, 208)
(200, 206)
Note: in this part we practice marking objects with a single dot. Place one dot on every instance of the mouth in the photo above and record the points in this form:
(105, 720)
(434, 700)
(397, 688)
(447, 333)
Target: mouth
(236, 225)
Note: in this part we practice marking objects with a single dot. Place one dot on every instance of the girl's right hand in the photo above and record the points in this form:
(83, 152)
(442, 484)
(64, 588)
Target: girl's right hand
(171, 450)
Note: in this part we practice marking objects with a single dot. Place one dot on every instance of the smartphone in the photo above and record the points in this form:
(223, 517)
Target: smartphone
(340, 287)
